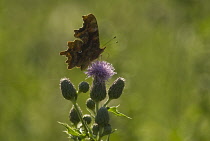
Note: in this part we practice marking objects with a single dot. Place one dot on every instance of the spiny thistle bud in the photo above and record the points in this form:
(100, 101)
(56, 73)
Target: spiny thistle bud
(107, 130)
(90, 104)
(95, 129)
(102, 117)
(83, 87)
(116, 89)
(98, 91)
(67, 89)
(73, 116)
(87, 119)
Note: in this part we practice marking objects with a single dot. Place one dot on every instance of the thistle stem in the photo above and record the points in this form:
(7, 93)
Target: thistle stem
(107, 102)
(100, 133)
(97, 105)
(80, 116)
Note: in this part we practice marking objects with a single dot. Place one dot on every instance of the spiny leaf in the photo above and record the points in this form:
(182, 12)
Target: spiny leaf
(114, 110)
(70, 130)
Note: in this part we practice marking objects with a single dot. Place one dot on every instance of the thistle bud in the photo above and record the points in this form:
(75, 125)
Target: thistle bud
(98, 91)
(90, 104)
(102, 117)
(73, 116)
(107, 130)
(67, 89)
(87, 119)
(116, 89)
(95, 129)
(83, 87)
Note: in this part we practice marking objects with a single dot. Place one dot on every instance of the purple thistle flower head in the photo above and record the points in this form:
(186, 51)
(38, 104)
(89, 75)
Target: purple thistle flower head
(100, 70)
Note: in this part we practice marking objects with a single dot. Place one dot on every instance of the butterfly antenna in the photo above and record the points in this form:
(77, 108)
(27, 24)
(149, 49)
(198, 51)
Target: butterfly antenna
(110, 41)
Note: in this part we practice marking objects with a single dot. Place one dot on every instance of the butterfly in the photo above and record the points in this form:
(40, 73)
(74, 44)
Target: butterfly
(86, 48)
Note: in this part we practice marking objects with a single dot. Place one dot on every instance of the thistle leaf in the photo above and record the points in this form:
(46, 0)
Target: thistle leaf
(70, 130)
(114, 110)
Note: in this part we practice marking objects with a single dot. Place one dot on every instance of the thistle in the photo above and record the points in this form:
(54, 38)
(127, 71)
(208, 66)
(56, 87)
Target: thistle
(102, 117)
(73, 116)
(98, 91)
(116, 89)
(87, 118)
(83, 87)
(101, 71)
(95, 125)
(90, 104)
(67, 89)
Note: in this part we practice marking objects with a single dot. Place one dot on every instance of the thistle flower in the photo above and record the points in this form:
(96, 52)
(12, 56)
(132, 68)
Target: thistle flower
(98, 91)
(68, 90)
(116, 89)
(107, 130)
(73, 116)
(87, 118)
(102, 117)
(95, 129)
(83, 87)
(90, 104)
(100, 70)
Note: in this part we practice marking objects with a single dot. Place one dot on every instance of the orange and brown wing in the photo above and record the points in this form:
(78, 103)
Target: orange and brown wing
(72, 53)
(89, 31)
(82, 52)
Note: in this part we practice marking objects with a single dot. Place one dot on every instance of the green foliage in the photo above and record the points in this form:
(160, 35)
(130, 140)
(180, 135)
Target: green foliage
(70, 130)
(114, 110)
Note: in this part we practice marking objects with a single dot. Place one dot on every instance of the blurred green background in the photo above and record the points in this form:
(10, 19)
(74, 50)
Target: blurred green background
(163, 53)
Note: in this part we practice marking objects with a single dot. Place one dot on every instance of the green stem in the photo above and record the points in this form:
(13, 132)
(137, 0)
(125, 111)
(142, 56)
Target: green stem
(80, 117)
(78, 92)
(92, 113)
(100, 133)
(97, 105)
(107, 102)
(87, 129)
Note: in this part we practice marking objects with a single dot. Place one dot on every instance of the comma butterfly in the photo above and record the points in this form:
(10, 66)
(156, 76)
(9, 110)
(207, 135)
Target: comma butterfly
(82, 51)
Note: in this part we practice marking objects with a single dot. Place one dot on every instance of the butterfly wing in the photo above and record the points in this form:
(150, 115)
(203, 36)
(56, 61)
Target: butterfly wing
(83, 51)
